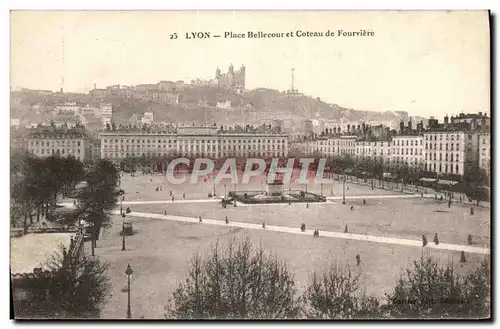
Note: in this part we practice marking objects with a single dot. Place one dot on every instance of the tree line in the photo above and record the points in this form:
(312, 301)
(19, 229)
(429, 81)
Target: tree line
(77, 284)
(37, 183)
(242, 281)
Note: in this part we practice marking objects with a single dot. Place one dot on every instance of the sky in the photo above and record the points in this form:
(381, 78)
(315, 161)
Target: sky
(426, 63)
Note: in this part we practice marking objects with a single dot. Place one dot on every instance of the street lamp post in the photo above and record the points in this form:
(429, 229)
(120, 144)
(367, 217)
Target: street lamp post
(123, 232)
(289, 195)
(123, 224)
(321, 189)
(224, 191)
(343, 190)
(128, 272)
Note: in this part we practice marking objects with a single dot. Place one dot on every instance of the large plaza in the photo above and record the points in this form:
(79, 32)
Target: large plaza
(385, 228)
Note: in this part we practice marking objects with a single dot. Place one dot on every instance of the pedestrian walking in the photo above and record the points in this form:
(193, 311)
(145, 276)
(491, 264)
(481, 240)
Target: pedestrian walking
(358, 259)
(424, 240)
(227, 220)
(436, 239)
(200, 219)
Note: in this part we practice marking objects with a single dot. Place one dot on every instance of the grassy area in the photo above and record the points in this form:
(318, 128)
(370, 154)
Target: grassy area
(160, 254)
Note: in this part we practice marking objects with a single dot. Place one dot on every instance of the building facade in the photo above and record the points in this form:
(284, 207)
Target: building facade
(379, 150)
(408, 149)
(64, 143)
(485, 151)
(334, 146)
(450, 152)
(207, 142)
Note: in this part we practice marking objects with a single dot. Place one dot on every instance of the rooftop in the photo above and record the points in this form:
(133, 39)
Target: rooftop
(34, 250)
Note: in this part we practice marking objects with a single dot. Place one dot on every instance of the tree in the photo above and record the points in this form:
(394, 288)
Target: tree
(334, 295)
(238, 282)
(476, 182)
(432, 291)
(76, 286)
(100, 196)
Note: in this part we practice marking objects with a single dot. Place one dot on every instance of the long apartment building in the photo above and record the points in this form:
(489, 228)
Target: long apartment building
(193, 141)
(62, 142)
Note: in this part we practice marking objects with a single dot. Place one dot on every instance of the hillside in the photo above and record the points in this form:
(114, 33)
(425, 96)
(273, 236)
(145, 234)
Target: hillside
(198, 106)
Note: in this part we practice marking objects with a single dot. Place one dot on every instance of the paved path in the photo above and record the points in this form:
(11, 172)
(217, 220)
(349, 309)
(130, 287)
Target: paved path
(378, 196)
(329, 234)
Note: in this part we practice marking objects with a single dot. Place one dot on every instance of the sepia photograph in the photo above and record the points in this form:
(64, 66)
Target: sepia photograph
(250, 165)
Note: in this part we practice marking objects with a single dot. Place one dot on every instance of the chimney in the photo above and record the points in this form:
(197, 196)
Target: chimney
(409, 125)
(401, 127)
(446, 119)
(348, 128)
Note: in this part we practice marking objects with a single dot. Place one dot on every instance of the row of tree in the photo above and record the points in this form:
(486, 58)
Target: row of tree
(244, 282)
(77, 284)
(474, 182)
(36, 183)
